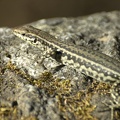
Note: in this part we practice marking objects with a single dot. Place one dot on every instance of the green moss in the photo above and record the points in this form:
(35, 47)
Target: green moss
(52, 85)
(76, 104)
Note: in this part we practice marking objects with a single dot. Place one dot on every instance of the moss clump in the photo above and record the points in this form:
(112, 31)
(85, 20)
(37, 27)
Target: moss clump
(52, 85)
(76, 104)
(72, 105)
(17, 71)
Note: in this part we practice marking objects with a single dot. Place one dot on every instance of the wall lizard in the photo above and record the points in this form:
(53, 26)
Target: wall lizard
(90, 62)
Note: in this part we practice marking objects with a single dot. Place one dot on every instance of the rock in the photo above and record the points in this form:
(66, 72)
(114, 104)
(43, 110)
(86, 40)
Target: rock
(35, 89)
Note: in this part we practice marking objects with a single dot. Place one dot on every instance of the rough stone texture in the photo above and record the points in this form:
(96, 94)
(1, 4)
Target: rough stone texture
(28, 92)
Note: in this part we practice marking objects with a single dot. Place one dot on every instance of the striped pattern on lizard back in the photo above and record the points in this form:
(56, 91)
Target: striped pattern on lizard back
(92, 63)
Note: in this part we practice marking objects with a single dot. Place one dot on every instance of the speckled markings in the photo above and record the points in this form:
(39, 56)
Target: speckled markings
(88, 61)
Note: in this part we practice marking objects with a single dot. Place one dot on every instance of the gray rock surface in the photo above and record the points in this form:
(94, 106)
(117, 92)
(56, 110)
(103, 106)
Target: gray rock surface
(37, 90)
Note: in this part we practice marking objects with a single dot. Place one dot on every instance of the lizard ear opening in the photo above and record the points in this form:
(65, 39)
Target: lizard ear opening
(23, 34)
(58, 55)
(35, 40)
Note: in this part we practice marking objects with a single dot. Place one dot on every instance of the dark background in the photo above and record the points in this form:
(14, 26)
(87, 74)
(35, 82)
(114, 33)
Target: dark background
(19, 12)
